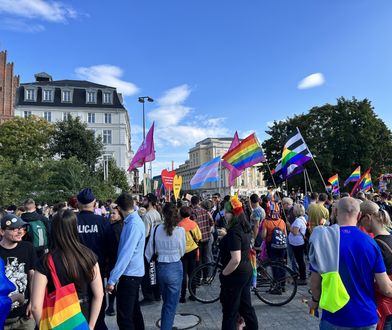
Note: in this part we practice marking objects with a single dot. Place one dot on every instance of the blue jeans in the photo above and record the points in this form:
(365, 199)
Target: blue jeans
(170, 280)
(290, 253)
(388, 323)
(325, 325)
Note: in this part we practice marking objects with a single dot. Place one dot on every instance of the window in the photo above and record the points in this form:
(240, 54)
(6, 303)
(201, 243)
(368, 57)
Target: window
(66, 96)
(108, 118)
(91, 118)
(47, 95)
(27, 114)
(91, 97)
(107, 98)
(66, 115)
(107, 136)
(30, 94)
(48, 116)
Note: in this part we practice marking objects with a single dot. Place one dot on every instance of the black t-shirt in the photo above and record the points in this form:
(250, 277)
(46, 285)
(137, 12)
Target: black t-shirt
(82, 286)
(18, 262)
(236, 239)
(386, 253)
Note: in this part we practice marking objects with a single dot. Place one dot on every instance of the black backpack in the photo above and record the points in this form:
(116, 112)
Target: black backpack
(278, 239)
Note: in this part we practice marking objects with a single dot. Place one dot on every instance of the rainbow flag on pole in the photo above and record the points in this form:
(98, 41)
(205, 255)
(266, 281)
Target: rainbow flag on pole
(355, 176)
(334, 180)
(245, 154)
(366, 183)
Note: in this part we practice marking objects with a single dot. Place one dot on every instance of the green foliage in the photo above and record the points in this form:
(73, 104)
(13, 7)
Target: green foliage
(340, 137)
(25, 138)
(117, 177)
(71, 138)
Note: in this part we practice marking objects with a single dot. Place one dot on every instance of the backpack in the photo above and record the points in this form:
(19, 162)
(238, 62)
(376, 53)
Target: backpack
(278, 239)
(38, 234)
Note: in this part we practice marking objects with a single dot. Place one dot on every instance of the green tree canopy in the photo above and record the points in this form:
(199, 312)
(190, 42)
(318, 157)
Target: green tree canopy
(25, 138)
(340, 137)
(71, 138)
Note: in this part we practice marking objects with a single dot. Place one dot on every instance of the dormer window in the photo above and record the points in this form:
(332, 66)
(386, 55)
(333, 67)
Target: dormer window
(107, 98)
(91, 96)
(66, 96)
(47, 95)
(30, 94)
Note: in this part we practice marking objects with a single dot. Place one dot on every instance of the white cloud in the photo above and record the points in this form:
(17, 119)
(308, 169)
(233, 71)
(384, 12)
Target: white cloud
(20, 25)
(52, 11)
(109, 75)
(177, 126)
(175, 96)
(311, 81)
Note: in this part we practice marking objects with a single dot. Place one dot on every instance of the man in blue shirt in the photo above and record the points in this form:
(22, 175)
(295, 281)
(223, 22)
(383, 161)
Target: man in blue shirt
(360, 262)
(129, 269)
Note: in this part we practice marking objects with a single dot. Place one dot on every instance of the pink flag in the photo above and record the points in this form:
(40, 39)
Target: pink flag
(234, 173)
(146, 152)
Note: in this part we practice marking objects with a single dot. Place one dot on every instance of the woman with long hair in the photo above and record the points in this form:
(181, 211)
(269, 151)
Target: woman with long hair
(237, 269)
(74, 263)
(375, 220)
(169, 242)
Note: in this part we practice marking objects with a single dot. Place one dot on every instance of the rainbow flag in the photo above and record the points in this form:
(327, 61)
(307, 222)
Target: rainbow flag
(355, 176)
(366, 183)
(245, 154)
(334, 180)
(253, 262)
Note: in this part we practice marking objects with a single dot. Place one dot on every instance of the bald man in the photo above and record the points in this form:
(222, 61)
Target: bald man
(360, 263)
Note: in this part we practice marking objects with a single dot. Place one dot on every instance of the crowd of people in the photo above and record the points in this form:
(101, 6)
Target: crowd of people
(109, 252)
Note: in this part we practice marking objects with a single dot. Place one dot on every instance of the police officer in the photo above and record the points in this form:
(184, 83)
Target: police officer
(95, 233)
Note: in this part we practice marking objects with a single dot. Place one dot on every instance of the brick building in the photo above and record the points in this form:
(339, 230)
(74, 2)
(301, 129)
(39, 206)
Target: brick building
(8, 85)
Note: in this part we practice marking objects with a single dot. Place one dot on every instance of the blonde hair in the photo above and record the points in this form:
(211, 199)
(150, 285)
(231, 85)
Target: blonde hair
(298, 210)
(372, 209)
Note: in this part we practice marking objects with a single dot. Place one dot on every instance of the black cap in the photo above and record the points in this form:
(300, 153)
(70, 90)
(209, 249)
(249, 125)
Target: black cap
(86, 196)
(11, 221)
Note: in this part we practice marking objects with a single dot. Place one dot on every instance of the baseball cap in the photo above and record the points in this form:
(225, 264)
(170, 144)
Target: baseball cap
(11, 221)
(86, 196)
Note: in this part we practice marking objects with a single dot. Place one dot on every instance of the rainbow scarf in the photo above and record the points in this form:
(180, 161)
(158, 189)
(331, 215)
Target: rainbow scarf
(252, 259)
(61, 308)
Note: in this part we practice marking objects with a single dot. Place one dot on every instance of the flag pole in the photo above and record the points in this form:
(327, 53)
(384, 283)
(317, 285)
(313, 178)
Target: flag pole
(318, 170)
(306, 187)
(310, 183)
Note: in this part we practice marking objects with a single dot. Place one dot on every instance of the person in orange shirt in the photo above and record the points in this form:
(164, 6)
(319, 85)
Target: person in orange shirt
(193, 237)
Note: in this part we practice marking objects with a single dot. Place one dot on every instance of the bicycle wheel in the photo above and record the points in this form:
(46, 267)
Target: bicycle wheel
(276, 283)
(204, 283)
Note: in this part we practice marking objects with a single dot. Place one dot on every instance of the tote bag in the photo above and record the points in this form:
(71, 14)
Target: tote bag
(61, 308)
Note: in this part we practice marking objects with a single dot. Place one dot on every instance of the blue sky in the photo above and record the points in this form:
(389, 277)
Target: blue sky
(214, 66)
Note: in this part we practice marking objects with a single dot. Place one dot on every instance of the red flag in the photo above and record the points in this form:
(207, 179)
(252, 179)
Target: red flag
(146, 152)
(234, 172)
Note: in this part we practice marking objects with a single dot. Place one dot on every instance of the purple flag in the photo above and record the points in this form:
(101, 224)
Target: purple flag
(146, 152)
(234, 172)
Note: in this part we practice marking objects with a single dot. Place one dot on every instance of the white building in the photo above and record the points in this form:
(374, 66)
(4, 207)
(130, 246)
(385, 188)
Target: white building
(99, 106)
(251, 181)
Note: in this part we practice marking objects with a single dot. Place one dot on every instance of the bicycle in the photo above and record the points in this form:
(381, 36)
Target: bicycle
(276, 284)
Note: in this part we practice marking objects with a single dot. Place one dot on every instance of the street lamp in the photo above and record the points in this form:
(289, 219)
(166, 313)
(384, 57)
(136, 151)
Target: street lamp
(142, 99)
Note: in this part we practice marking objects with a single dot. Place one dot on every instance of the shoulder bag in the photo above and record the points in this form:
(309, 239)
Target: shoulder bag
(61, 308)
(153, 261)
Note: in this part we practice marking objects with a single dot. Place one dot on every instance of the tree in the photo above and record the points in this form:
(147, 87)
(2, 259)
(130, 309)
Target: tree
(117, 177)
(71, 138)
(25, 138)
(340, 137)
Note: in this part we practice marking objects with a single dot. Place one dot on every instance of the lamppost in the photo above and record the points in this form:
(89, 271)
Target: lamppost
(142, 99)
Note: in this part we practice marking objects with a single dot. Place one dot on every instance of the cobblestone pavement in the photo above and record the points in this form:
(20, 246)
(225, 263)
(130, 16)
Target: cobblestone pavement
(293, 316)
